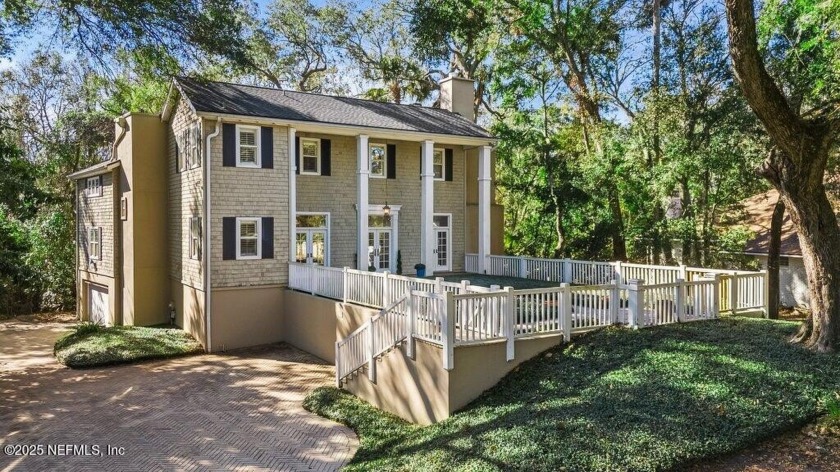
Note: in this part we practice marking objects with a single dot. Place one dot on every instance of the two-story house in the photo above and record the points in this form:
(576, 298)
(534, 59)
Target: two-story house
(198, 214)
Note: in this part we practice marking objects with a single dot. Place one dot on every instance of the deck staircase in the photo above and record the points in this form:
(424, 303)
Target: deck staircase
(373, 340)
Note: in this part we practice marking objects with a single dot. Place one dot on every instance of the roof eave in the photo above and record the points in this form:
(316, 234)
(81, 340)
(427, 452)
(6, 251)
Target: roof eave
(96, 169)
(350, 130)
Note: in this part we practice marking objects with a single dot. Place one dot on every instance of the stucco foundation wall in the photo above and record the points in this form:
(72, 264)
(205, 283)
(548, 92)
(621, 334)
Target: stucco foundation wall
(189, 309)
(479, 367)
(416, 390)
(245, 317)
(84, 280)
(309, 323)
(351, 317)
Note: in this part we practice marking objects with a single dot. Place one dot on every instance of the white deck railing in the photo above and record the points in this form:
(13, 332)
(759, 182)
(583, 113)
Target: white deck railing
(739, 290)
(452, 314)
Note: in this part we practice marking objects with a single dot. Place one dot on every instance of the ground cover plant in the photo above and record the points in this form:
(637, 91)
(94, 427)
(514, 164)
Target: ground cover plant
(91, 345)
(617, 399)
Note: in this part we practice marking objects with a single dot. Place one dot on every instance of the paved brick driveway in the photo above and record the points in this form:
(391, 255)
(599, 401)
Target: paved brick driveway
(208, 412)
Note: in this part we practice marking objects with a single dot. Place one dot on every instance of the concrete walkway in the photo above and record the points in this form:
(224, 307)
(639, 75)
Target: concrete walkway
(209, 412)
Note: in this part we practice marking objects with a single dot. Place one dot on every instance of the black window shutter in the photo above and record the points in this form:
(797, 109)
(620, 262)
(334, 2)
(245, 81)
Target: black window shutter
(229, 145)
(421, 162)
(326, 157)
(228, 238)
(267, 147)
(177, 154)
(297, 155)
(447, 160)
(268, 238)
(392, 161)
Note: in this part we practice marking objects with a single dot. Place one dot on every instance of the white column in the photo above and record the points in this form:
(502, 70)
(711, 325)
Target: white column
(292, 195)
(362, 177)
(427, 204)
(484, 176)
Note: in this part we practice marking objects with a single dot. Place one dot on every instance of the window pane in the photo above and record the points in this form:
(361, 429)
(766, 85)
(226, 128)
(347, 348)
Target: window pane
(248, 229)
(310, 148)
(248, 155)
(379, 221)
(441, 221)
(311, 221)
(310, 164)
(377, 168)
(247, 138)
(437, 164)
(248, 247)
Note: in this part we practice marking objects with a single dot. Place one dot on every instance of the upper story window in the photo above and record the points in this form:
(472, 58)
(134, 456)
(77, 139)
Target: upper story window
(94, 243)
(248, 238)
(247, 146)
(310, 156)
(438, 164)
(93, 186)
(378, 161)
(192, 140)
(195, 238)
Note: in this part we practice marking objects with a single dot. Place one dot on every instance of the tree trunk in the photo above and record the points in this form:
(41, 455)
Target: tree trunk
(658, 214)
(773, 260)
(797, 170)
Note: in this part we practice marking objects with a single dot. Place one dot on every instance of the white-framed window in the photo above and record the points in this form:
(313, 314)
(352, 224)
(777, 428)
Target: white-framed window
(93, 186)
(438, 166)
(94, 243)
(191, 139)
(195, 238)
(378, 161)
(247, 146)
(248, 232)
(310, 156)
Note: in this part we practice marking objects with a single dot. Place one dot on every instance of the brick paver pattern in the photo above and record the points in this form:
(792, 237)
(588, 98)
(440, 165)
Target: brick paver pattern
(239, 411)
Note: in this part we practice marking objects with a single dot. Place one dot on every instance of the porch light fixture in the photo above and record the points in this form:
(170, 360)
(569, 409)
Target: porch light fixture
(386, 210)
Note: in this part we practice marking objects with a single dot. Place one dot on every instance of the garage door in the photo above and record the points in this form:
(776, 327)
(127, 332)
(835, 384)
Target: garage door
(99, 305)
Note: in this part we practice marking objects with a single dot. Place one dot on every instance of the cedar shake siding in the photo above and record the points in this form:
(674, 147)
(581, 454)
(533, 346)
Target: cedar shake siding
(186, 200)
(336, 194)
(258, 192)
(96, 211)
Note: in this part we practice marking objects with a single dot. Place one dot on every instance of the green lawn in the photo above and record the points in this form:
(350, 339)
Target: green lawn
(92, 345)
(616, 399)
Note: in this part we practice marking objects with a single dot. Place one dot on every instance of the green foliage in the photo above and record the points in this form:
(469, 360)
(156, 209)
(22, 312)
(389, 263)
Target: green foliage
(82, 329)
(653, 399)
(801, 43)
(92, 345)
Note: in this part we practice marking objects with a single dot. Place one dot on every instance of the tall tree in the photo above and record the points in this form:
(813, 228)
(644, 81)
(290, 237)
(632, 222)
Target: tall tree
(571, 34)
(378, 44)
(773, 254)
(803, 142)
(185, 29)
(463, 35)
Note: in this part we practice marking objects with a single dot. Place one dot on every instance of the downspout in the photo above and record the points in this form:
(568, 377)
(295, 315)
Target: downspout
(116, 190)
(123, 129)
(205, 253)
(79, 299)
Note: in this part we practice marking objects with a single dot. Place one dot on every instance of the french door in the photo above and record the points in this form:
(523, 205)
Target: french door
(443, 243)
(311, 246)
(379, 249)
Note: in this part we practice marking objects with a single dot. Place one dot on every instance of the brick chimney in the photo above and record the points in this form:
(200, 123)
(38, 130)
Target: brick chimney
(458, 95)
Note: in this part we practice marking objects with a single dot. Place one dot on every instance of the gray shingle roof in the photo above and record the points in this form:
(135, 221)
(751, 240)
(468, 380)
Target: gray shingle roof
(222, 97)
